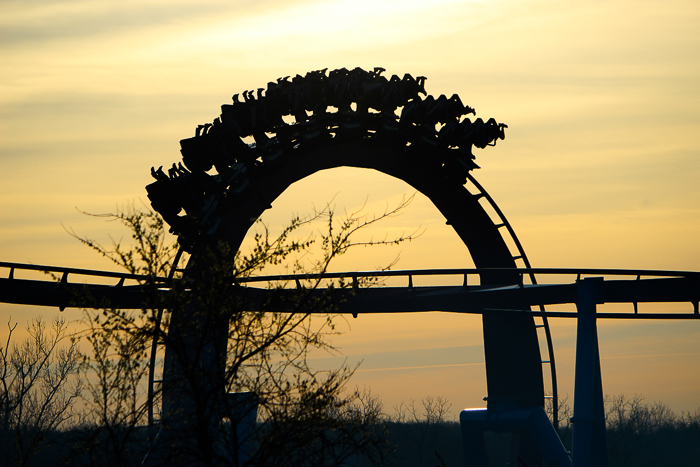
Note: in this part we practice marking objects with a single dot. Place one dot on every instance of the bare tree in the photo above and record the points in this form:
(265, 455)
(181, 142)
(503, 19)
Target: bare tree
(116, 366)
(431, 411)
(565, 412)
(365, 405)
(114, 369)
(305, 417)
(631, 423)
(436, 409)
(38, 388)
(425, 425)
(632, 414)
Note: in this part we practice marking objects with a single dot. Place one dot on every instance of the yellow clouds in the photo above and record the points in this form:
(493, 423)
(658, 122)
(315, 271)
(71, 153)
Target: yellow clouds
(599, 167)
(310, 28)
(163, 45)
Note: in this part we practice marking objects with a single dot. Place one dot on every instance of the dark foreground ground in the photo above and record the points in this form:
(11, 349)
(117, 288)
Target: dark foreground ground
(440, 445)
(414, 444)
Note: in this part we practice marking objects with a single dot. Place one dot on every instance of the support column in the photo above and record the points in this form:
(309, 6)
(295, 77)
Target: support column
(589, 447)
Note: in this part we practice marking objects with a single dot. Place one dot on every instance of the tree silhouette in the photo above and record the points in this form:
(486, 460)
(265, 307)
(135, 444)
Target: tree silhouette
(38, 388)
(304, 416)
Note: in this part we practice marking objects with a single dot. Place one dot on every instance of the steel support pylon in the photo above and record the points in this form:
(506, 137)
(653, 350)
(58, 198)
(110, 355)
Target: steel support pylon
(589, 447)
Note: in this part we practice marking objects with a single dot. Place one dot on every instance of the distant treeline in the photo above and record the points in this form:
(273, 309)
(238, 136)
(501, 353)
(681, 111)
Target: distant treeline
(425, 434)
(639, 433)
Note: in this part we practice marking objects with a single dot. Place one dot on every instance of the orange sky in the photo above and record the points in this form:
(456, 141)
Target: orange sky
(599, 168)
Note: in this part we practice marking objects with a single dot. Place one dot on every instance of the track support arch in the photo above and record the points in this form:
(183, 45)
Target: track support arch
(428, 146)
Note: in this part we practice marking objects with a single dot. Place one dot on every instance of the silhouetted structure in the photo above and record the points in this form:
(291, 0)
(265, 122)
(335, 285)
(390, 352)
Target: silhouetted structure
(365, 112)
(349, 118)
(362, 131)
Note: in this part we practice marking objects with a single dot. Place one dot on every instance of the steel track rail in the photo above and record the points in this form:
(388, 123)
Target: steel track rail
(167, 282)
(349, 274)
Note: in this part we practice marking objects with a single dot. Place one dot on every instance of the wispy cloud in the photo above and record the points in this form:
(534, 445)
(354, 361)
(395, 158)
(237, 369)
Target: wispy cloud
(599, 167)
(422, 367)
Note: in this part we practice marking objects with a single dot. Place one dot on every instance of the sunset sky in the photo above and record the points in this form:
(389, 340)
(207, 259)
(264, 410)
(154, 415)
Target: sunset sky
(600, 166)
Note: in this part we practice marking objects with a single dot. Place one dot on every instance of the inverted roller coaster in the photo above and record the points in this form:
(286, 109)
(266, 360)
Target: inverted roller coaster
(236, 166)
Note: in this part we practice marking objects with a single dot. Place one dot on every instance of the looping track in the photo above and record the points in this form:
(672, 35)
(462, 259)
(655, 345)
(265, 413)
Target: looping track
(236, 166)
(365, 108)
(544, 322)
(428, 145)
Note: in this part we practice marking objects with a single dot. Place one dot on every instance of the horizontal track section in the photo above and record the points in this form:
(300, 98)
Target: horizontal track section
(75, 271)
(667, 286)
(478, 271)
(394, 273)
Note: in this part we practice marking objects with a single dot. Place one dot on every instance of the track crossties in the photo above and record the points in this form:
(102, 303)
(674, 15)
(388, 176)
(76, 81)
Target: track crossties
(322, 109)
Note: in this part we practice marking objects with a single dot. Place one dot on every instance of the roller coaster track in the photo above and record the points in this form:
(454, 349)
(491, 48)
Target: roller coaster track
(251, 141)
(346, 118)
(678, 286)
(543, 317)
(257, 152)
(73, 288)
